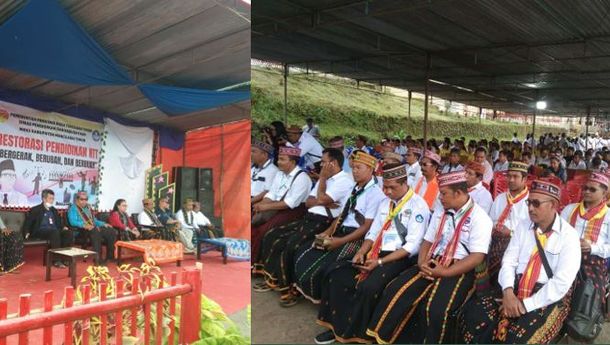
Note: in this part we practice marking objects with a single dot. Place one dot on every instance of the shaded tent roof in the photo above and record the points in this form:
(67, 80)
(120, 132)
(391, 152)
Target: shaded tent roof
(495, 54)
(187, 43)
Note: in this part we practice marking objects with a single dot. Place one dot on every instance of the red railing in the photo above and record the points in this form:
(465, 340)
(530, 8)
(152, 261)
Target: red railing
(189, 292)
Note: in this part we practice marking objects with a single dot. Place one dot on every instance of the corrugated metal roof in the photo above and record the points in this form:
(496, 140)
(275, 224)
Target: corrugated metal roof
(510, 53)
(188, 43)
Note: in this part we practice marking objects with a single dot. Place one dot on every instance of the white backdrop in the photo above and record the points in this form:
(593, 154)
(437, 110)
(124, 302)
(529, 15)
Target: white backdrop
(127, 155)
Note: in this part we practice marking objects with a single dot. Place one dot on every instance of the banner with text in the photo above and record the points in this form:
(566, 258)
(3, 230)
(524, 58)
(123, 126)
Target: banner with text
(40, 150)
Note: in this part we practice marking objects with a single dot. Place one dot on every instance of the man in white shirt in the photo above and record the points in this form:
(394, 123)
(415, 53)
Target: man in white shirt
(455, 242)
(325, 203)
(413, 168)
(577, 163)
(311, 150)
(502, 163)
(390, 246)
(591, 219)
(533, 308)
(343, 239)
(285, 201)
(478, 192)
(262, 172)
(480, 157)
(338, 143)
(8, 179)
(361, 141)
(188, 228)
(454, 162)
(311, 129)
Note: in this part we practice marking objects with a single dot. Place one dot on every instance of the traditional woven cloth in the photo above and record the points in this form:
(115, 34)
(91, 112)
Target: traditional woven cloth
(153, 251)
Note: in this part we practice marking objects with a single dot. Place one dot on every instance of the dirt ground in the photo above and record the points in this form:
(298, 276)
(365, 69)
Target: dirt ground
(273, 324)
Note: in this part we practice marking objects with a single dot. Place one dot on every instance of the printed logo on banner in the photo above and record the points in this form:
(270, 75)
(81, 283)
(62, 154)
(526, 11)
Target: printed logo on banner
(4, 115)
(96, 135)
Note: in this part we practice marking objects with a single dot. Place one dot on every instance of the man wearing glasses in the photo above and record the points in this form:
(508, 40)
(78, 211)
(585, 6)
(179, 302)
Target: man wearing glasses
(81, 215)
(8, 178)
(262, 172)
(538, 268)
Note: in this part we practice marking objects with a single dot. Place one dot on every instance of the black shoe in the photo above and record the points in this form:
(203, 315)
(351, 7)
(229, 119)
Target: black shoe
(327, 337)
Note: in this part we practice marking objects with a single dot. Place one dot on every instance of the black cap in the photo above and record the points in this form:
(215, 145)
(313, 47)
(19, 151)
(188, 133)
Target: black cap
(7, 165)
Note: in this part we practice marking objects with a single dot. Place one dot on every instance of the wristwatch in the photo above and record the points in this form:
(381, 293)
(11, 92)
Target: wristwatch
(379, 262)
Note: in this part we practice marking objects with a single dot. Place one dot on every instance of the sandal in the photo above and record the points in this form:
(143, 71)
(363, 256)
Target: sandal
(261, 287)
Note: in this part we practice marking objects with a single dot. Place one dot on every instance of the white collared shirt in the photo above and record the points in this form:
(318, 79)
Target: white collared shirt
(489, 172)
(517, 213)
(580, 166)
(414, 215)
(200, 219)
(501, 166)
(481, 196)
(413, 174)
(562, 251)
(181, 217)
(601, 247)
(449, 168)
(366, 204)
(476, 231)
(311, 150)
(297, 192)
(339, 188)
(423, 188)
(262, 178)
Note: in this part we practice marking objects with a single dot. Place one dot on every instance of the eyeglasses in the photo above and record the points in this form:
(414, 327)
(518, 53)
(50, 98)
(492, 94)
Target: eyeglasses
(536, 203)
(83, 199)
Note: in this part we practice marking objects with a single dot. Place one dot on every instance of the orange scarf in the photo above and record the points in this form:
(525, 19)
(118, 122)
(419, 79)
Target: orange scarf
(532, 271)
(431, 190)
(594, 217)
(510, 201)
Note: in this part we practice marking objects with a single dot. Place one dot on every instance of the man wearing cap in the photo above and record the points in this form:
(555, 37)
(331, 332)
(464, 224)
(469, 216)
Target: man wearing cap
(344, 237)
(311, 150)
(8, 178)
(278, 246)
(478, 192)
(392, 158)
(413, 168)
(311, 129)
(506, 212)
(427, 185)
(262, 172)
(338, 143)
(351, 290)
(285, 201)
(480, 156)
(454, 162)
(591, 219)
(534, 283)
(416, 305)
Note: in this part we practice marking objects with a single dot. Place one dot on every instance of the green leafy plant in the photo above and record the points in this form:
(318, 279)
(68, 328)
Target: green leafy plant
(216, 328)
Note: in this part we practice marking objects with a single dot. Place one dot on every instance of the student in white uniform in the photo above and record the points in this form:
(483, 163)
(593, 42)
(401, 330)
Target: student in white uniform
(262, 172)
(413, 169)
(454, 162)
(480, 156)
(478, 192)
(533, 305)
(338, 143)
(311, 150)
(390, 246)
(506, 212)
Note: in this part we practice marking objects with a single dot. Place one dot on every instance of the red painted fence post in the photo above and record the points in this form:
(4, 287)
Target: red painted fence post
(3, 315)
(190, 310)
(47, 333)
(24, 309)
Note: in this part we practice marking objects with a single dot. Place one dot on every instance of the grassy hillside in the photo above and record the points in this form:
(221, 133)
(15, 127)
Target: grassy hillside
(339, 108)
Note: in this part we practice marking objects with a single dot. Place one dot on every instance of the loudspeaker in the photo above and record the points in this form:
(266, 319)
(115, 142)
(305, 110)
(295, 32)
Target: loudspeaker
(206, 191)
(186, 184)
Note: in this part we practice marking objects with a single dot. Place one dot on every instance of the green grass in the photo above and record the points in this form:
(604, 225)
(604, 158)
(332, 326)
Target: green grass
(339, 108)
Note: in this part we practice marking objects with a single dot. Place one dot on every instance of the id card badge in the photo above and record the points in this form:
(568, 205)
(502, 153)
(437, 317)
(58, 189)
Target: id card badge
(390, 241)
(51, 220)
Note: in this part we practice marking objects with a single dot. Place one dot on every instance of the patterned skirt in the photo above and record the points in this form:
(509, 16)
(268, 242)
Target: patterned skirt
(311, 264)
(499, 243)
(279, 219)
(11, 252)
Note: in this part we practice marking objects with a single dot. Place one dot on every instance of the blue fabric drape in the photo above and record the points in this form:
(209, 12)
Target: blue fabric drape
(42, 39)
(177, 100)
(171, 139)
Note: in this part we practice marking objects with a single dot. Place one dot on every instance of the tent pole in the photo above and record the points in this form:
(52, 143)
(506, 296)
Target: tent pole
(534, 130)
(409, 113)
(426, 101)
(587, 128)
(286, 94)
(480, 114)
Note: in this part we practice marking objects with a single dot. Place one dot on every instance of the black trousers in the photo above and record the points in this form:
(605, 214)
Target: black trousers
(57, 238)
(99, 235)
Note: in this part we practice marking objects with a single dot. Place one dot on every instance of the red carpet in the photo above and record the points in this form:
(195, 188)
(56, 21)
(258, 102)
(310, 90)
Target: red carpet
(228, 285)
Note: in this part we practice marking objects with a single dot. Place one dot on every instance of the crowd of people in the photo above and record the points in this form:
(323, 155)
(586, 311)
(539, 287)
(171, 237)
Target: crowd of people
(44, 222)
(403, 241)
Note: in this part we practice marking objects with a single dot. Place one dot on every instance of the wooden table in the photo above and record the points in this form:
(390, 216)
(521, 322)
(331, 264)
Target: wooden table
(72, 253)
(152, 251)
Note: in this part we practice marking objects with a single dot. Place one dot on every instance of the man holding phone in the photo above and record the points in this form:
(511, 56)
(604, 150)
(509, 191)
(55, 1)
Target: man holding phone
(416, 306)
(351, 289)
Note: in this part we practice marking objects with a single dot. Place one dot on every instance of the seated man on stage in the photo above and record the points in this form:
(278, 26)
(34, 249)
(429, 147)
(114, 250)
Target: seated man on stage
(285, 201)
(351, 289)
(150, 224)
(81, 215)
(168, 218)
(416, 305)
(44, 222)
(538, 269)
(120, 220)
(203, 223)
(188, 228)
